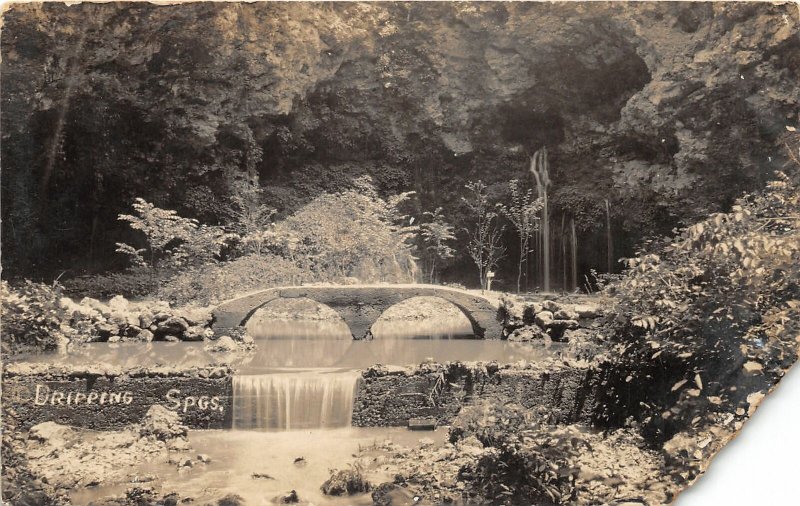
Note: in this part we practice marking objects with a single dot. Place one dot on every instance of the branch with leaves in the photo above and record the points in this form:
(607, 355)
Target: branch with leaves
(523, 213)
(436, 233)
(485, 246)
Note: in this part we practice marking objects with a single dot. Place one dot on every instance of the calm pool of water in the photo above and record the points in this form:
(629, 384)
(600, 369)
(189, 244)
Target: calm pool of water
(237, 455)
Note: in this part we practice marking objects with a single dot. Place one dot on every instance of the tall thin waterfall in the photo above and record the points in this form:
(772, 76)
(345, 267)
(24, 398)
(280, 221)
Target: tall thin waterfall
(610, 244)
(303, 400)
(574, 250)
(540, 170)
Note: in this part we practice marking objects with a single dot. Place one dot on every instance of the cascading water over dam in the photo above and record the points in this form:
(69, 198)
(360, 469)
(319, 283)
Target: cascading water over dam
(294, 400)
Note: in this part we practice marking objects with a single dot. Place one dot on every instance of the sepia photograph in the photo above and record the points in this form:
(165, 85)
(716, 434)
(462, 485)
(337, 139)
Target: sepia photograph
(392, 253)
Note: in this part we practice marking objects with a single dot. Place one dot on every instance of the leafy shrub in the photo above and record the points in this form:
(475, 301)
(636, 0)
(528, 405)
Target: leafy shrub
(530, 462)
(32, 317)
(172, 242)
(355, 233)
(346, 482)
(718, 306)
(214, 283)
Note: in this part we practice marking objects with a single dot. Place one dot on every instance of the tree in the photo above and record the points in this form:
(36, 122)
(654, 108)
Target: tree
(522, 212)
(250, 218)
(435, 235)
(355, 233)
(172, 241)
(484, 246)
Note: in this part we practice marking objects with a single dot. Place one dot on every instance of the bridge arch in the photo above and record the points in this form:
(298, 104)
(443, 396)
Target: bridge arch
(361, 305)
(301, 318)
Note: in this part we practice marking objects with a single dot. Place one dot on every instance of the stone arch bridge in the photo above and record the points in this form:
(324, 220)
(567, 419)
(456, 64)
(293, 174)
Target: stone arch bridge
(360, 306)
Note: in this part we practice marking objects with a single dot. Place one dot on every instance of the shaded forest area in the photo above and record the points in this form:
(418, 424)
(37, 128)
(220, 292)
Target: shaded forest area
(669, 111)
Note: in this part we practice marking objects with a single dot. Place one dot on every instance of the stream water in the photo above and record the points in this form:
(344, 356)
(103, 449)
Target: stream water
(293, 397)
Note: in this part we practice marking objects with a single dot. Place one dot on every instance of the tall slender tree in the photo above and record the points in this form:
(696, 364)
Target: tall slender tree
(522, 212)
(485, 247)
(436, 233)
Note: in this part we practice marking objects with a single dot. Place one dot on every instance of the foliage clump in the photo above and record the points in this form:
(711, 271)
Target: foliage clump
(355, 233)
(436, 233)
(485, 245)
(32, 317)
(346, 482)
(528, 461)
(172, 242)
(708, 319)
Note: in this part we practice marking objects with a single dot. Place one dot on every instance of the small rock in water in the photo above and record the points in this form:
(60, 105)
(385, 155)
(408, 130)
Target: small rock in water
(231, 500)
(223, 344)
(261, 476)
(205, 459)
(290, 498)
(300, 462)
(186, 463)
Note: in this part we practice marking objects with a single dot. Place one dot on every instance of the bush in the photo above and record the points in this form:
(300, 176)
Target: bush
(717, 307)
(355, 233)
(529, 462)
(215, 283)
(32, 317)
(346, 482)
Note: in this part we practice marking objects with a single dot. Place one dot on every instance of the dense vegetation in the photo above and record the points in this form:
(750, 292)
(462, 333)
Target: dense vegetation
(708, 323)
(636, 104)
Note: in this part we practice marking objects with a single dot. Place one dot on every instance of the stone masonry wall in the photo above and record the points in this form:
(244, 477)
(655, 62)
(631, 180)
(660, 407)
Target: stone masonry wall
(105, 399)
(390, 396)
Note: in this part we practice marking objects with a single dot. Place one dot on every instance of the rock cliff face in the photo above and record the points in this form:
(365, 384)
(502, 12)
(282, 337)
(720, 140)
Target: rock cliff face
(668, 110)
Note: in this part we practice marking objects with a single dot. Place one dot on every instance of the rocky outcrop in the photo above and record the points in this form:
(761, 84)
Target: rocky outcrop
(121, 320)
(100, 458)
(667, 110)
(551, 320)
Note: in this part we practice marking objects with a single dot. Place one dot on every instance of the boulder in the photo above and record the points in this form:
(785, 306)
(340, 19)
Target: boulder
(231, 500)
(587, 310)
(346, 482)
(106, 330)
(51, 433)
(172, 325)
(290, 498)
(162, 423)
(565, 314)
(527, 333)
(197, 333)
(551, 306)
(562, 325)
(144, 335)
(224, 344)
(544, 319)
(195, 315)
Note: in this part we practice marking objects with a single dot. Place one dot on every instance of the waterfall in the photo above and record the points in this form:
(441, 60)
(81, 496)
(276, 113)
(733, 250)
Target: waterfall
(563, 241)
(540, 170)
(298, 400)
(610, 245)
(574, 250)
